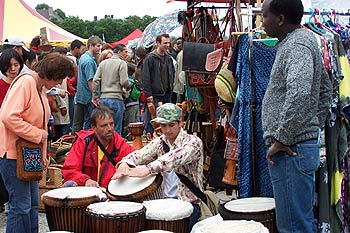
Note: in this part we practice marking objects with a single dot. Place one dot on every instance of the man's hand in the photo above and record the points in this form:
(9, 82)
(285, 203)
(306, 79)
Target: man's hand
(140, 171)
(96, 102)
(276, 147)
(91, 183)
(121, 170)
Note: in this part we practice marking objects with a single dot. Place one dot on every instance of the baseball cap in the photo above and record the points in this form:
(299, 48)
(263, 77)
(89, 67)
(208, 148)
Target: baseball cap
(168, 113)
(16, 41)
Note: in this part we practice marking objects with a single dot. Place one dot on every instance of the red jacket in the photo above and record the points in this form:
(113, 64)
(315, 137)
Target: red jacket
(72, 167)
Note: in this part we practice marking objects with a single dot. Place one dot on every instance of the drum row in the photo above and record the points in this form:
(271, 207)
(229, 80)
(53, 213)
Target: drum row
(78, 209)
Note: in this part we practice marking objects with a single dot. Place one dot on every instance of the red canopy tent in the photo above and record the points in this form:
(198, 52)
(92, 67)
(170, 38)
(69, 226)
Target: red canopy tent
(134, 35)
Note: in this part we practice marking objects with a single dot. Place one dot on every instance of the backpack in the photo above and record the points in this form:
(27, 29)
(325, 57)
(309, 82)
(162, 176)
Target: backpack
(136, 89)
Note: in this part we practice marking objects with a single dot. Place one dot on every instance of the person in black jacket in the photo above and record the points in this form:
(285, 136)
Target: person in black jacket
(158, 76)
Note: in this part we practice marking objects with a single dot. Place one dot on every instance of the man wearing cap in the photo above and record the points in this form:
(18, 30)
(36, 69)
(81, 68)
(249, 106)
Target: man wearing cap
(16, 43)
(185, 156)
(110, 79)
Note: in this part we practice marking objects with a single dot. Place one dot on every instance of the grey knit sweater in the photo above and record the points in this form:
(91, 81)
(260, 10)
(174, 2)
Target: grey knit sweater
(298, 96)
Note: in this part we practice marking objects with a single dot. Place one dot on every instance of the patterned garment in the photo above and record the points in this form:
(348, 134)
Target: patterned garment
(186, 158)
(263, 57)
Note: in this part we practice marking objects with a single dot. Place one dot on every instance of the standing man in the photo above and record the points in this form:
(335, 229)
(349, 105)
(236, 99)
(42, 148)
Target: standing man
(73, 54)
(294, 110)
(175, 149)
(110, 79)
(86, 70)
(158, 76)
(86, 164)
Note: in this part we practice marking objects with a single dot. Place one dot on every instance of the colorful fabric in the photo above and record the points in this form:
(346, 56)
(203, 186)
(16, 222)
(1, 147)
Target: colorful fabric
(186, 158)
(263, 57)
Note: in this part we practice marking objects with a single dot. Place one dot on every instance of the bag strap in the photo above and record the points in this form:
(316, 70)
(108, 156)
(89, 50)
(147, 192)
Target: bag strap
(109, 156)
(187, 182)
(41, 100)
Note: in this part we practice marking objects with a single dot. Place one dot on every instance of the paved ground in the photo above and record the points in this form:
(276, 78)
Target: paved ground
(42, 223)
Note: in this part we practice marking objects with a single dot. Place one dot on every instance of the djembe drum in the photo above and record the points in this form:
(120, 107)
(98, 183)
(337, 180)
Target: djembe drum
(136, 130)
(168, 214)
(135, 188)
(116, 216)
(260, 209)
(228, 226)
(65, 207)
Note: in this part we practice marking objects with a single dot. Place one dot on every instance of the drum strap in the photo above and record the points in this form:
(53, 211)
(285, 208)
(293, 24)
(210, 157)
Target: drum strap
(187, 182)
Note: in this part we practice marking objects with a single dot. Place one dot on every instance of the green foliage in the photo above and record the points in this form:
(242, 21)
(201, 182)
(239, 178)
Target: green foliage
(113, 29)
(60, 13)
(42, 6)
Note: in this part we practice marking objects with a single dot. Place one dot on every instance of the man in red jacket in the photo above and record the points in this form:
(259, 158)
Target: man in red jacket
(86, 163)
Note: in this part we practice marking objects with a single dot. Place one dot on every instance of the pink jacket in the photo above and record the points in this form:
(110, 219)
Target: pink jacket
(21, 115)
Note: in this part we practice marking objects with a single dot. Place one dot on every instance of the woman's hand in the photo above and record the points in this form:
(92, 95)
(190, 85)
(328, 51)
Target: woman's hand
(44, 135)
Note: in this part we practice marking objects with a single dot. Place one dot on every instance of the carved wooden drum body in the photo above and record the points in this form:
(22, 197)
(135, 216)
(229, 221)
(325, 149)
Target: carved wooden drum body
(65, 207)
(116, 216)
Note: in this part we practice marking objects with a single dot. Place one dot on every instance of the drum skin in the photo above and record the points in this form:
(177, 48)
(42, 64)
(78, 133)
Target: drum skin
(150, 192)
(121, 223)
(267, 218)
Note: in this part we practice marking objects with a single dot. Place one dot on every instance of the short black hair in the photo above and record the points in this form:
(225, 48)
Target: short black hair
(100, 111)
(76, 44)
(119, 47)
(5, 60)
(293, 10)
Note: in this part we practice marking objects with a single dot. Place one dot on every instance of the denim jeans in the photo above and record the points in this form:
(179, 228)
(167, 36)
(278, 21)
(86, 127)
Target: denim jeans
(87, 114)
(194, 216)
(23, 200)
(293, 187)
(118, 107)
(156, 100)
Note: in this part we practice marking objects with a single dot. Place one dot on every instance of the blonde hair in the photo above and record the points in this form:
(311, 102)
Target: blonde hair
(104, 55)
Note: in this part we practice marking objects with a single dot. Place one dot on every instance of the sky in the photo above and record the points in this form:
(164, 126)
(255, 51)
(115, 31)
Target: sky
(87, 9)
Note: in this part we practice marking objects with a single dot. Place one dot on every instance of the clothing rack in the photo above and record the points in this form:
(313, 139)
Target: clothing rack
(314, 11)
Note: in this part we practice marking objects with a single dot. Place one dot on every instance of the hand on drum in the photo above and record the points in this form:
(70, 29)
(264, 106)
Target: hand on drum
(91, 183)
(139, 171)
(124, 170)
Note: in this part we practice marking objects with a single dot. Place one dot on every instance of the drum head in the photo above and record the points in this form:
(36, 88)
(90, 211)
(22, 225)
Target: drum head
(227, 226)
(114, 208)
(71, 196)
(133, 188)
(250, 205)
(167, 209)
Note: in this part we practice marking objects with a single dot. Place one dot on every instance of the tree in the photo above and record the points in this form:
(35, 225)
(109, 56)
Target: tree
(42, 6)
(60, 13)
(113, 29)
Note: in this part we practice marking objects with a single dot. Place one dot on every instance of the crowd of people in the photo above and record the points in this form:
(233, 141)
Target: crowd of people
(94, 90)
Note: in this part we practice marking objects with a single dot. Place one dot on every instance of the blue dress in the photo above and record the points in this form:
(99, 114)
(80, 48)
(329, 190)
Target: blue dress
(263, 58)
